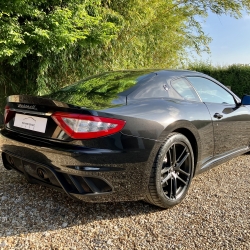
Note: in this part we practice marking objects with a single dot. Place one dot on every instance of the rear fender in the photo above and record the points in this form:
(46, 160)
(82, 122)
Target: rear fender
(190, 131)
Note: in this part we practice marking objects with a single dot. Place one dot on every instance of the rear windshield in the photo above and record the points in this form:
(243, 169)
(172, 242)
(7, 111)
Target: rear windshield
(101, 91)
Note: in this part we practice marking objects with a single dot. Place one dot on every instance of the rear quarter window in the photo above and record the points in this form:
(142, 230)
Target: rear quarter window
(185, 90)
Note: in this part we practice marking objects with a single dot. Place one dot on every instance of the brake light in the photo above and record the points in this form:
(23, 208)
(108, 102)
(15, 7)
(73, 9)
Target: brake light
(79, 126)
(8, 114)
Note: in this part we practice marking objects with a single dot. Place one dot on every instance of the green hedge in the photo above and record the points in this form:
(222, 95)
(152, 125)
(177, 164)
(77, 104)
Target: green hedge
(237, 76)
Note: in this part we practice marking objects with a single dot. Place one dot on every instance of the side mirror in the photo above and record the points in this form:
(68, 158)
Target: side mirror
(245, 100)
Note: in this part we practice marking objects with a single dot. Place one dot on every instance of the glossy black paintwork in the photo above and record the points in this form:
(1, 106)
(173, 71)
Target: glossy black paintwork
(232, 130)
(152, 109)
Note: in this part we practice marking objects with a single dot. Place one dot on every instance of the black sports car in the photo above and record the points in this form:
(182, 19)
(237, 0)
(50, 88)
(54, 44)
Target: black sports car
(126, 135)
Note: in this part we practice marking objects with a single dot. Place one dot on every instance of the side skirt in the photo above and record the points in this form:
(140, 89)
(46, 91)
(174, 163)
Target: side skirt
(221, 159)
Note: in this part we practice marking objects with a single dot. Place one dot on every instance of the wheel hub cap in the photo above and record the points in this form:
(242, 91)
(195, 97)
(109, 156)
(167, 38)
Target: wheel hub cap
(176, 170)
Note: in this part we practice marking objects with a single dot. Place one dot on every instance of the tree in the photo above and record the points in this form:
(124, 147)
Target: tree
(34, 32)
(48, 44)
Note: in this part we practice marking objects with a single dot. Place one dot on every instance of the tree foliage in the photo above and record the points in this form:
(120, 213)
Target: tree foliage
(34, 32)
(45, 44)
(40, 28)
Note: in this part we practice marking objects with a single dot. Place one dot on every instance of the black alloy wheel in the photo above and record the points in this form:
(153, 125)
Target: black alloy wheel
(172, 172)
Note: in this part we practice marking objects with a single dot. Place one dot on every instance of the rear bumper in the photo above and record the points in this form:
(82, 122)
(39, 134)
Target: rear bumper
(88, 174)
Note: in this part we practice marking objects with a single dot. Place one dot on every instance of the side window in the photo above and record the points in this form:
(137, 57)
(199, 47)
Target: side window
(185, 90)
(210, 91)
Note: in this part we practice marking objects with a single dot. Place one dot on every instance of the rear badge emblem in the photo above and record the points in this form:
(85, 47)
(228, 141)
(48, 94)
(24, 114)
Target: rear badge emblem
(25, 106)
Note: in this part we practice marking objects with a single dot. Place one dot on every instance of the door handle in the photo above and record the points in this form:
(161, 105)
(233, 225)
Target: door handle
(218, 116)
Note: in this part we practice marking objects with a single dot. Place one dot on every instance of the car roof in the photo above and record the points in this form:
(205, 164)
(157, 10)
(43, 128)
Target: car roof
(155, 78)
(178, 72)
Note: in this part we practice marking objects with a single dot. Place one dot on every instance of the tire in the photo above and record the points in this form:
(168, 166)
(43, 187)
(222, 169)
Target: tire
(172, 172)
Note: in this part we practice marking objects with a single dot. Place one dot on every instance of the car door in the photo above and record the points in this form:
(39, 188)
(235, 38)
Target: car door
(231, 121)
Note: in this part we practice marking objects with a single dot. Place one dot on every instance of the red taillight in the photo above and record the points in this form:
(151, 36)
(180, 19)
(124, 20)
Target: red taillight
(79, 126)
(8, 114)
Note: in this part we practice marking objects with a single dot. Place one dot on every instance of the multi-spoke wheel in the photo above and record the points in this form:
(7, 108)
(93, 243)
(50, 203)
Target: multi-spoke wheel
(172, 172)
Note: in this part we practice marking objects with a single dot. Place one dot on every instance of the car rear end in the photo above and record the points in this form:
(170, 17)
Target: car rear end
(77, 150)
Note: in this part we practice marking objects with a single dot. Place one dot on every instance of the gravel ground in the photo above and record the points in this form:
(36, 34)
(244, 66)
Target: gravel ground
(214, 215)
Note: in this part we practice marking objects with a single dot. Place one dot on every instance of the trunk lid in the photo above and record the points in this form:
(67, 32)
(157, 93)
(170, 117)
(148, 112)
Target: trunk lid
(32, 115)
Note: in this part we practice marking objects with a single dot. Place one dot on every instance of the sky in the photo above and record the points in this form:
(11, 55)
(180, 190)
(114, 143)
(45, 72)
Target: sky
(231, 40)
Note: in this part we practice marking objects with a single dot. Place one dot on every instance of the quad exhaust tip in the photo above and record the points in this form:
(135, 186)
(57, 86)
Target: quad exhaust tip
(10, 160)
(42, 173)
